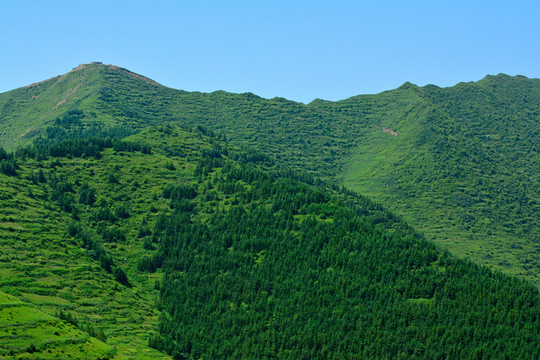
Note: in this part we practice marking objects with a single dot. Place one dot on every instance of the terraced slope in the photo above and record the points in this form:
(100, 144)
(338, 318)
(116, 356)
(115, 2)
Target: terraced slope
(43, 265)
(26, 333)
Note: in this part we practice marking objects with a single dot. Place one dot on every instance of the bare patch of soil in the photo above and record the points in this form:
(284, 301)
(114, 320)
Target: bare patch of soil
(390, 131)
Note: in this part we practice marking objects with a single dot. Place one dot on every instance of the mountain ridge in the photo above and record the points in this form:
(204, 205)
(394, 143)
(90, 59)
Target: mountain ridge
(437, 156)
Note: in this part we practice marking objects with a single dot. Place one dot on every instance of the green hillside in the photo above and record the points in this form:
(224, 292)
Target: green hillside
(460, 164)
(26, 332)
(464, 170)
(178, 242)
(43, 264)
(273, 267)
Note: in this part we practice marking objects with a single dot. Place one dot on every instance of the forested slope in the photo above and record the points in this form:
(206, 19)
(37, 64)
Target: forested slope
(459, 163)
(278, 268)
(244, 259)
(69, 244)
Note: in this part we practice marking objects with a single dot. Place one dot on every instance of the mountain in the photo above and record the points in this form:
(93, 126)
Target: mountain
(460, 163)
(27, 112)
(176, 241)
(464, 170)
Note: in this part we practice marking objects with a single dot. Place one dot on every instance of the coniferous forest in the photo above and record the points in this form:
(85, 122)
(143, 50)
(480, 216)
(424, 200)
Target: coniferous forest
(293, 271)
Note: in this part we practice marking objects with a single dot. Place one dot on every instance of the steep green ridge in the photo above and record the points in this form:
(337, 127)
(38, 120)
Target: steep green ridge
(111, 96)
(460, 163)
(27, 112)
(464, 170)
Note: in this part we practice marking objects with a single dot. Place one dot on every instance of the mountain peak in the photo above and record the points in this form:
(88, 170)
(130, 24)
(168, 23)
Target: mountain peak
(501, 78)
(98, 64)
(408, 85)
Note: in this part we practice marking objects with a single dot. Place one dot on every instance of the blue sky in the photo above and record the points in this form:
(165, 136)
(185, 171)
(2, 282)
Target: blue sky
(300, 50)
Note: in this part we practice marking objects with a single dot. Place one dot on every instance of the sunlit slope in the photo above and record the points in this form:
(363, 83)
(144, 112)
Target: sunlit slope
(27, 333)
(464, 169)
(44, 264)
(105, 100)
(27, 112)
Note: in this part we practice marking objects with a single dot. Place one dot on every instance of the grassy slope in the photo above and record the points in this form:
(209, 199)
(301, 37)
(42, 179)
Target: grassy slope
(27, 111)
(26, 332)
(40, 103)
(43, 266)
(297, 134)
(469, 178)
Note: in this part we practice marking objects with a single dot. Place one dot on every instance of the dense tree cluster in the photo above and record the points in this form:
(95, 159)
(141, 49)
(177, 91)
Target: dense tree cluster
(84, 148)
(8, 165)
(290, 270)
